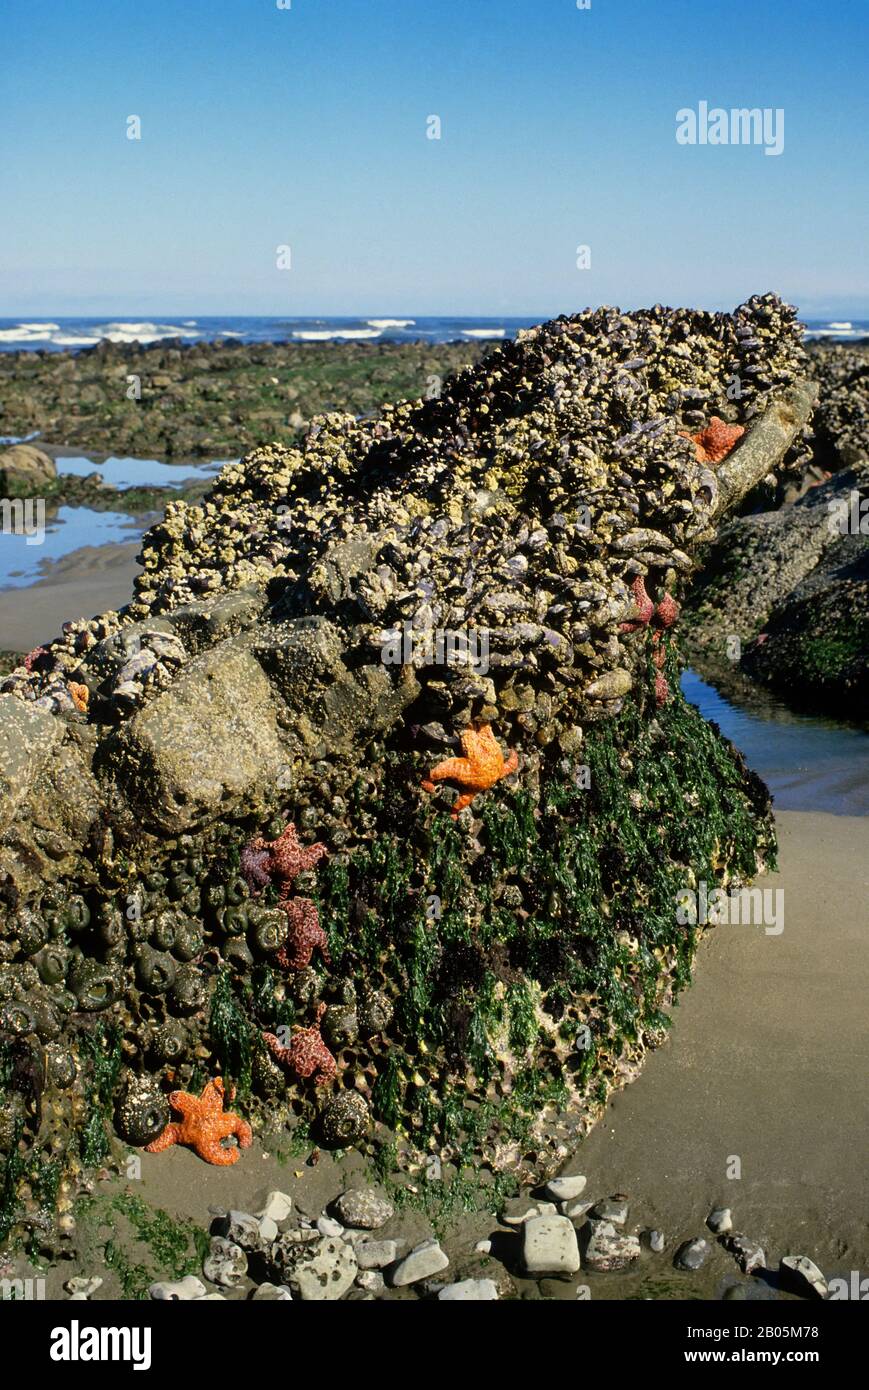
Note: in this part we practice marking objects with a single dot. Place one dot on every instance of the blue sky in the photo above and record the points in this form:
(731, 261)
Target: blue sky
(307, 127)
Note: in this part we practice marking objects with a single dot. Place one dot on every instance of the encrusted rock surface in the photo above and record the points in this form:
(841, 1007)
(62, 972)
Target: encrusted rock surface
(485, 980)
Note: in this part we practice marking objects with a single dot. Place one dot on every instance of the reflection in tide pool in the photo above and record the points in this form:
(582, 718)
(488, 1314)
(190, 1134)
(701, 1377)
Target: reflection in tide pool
(127, 472)
(66, 530)
(808, 763)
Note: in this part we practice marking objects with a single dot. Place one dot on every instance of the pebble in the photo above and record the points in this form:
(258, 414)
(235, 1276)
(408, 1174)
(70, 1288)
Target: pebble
(376, 1254)
(274, 1293)
(423, 1262)
(519, 1210)
(184, 1290)
(576, 1210)
(614, 1209)
(720, 1220)
(363, 1208)
(322, 1269)
(327, 1226)
(483, 1247)
(607, 1248)
(371, 1279)
(657, 1242)
(692, 1254)
(801, 1275)
(470, 1291)
(747, 1253)
(240, 1228)
(564, 1189)
(549, 1246)
(278, 1206)
(80, 1289)
(225, 1263)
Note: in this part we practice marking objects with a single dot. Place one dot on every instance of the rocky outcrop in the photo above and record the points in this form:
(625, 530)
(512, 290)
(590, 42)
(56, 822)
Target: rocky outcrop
(285, 658)
(24, 469)
(783, 597)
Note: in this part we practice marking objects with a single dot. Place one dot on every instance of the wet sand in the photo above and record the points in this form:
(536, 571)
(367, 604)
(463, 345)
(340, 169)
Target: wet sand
(767, 1061)
(86, 582)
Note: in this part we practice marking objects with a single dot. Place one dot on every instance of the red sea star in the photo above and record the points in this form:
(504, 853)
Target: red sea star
(715, 441)
(307, 1054)
(305, 934)
(661, 616)
(204, 1124)
(482, 766)
(285, 857)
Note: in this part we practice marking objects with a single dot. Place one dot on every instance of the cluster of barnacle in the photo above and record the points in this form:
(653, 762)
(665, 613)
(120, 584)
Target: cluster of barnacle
(571, 436)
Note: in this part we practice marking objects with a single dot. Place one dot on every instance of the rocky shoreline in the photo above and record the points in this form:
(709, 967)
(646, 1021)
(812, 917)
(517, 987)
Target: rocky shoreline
(209, 400)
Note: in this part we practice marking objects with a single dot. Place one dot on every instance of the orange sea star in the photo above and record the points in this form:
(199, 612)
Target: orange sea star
(204, 1124)
(481, 767)
(80, 695)
(715, 441)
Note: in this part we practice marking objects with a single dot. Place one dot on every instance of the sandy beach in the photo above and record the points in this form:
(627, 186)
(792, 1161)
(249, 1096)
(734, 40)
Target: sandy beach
(86, 582)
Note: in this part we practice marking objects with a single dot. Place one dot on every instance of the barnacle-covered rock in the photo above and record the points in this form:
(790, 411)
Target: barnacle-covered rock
(142, 1111)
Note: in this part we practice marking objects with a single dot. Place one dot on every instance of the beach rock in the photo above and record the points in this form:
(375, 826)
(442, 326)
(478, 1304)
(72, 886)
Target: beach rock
(549, 1246)
(747, 1253)
(720, 1220)
(375, 1254)
(202, 744)
(240, 1228)
(80, 1288)
(576, 1209)
(605, 1248)
(372, 1280)
(225, 1263)
(564, 1189)
(184, 1290)
(363, 1208)
(24, 469)
(657, 1242)
(322, 1269)
(692, 1254)
(423, 1262)
(470, 1291)
(272, 1293)
(29, 737)
(614, 1209)
(328, 1227)
(518, 1210)
(278, 1206)
(801, 1275)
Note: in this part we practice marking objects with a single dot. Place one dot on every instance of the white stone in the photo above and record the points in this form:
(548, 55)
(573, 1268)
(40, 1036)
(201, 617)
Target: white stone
(523, 1213)
(423, 1262)
(549, 1246)
(278, 1206)
(801, 1274)
(370, 1279)
(275, 1293)
(483, 1247)
(328, 1226)
(469, 1291)
(323, 1269)
(186, 1289)
(566, 1188)
(375, 1254)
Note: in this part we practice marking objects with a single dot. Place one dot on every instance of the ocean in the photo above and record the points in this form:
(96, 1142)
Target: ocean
(74, 334)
